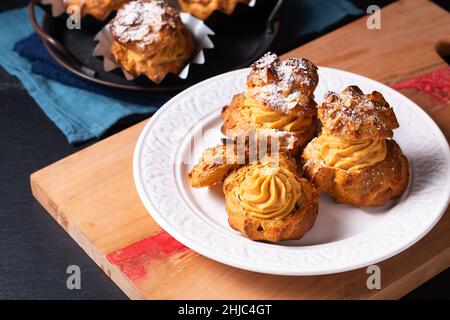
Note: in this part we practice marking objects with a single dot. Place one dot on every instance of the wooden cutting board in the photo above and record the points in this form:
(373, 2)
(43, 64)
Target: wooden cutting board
(92, 195)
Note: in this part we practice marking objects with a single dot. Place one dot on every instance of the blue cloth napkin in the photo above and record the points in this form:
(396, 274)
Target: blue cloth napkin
(43, 64)
(80, 114)
(83, 110)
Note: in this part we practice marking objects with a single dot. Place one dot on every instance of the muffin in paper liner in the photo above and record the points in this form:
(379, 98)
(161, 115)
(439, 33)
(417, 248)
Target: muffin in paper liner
(196, 26)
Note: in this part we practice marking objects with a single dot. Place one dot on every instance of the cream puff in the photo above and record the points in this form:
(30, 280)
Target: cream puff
(268, 201)
(149, 38)
(265, 197)
(279, 102)
(355, 159)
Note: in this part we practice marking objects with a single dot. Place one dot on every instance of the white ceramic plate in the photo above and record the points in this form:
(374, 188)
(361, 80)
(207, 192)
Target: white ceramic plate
(343, 238)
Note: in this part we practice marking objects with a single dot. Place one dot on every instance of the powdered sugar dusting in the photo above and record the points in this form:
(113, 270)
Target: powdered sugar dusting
(288, 139)
(282, 85)
(272, 96)
(290, 142)
(265, 61)
(141, 20)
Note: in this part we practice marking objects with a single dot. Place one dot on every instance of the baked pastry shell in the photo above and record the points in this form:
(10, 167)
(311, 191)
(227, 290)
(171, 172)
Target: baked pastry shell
(234, 125)
(371, 186)
(353, 115)
(291, 227)
(216, 163)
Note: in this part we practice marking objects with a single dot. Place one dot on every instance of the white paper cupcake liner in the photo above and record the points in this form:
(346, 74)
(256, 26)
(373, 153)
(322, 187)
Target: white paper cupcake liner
(197, 27)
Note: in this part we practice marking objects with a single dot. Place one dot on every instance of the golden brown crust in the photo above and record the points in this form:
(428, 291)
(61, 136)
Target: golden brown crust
(238, 122)
(278, 105)
(149, 38)
(214, 165)
(290, 227)
(354, 115)
(370, 186)
(284, 85)
(99, 9)
(217, 162)
(202, 9)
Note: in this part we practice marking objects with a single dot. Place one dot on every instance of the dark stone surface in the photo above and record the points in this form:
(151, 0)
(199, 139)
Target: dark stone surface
(34, 251)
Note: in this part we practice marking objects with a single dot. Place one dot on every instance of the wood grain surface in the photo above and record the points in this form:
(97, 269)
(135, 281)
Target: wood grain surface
(92, 195)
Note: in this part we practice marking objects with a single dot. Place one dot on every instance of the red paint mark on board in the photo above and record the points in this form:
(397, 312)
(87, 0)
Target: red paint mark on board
(132, 259)
(436, 84)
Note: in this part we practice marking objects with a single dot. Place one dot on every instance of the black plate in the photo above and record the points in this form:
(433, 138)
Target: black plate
(239, 40)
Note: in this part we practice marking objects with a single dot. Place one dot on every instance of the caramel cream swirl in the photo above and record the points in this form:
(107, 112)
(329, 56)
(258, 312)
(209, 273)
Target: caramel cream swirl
(269, 192)
(273, 119)
(350, 154)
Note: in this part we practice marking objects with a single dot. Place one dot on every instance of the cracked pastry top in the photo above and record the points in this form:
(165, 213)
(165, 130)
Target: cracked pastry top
(352, 114)
(279, 102)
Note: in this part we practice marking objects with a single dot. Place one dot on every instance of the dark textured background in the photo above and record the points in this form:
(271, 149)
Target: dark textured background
(34, 250)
